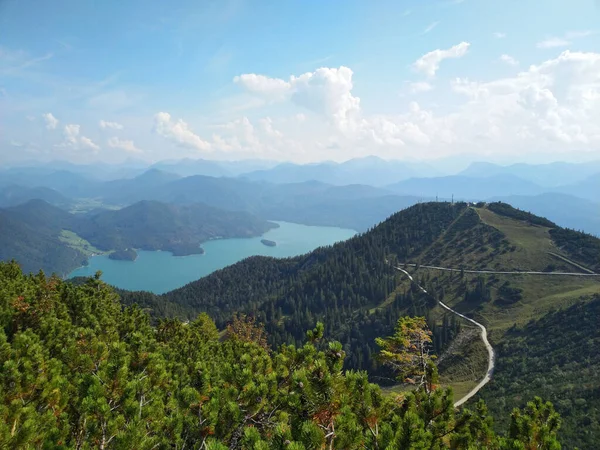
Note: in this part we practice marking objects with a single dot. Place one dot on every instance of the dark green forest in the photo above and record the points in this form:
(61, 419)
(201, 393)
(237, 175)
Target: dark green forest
(36, 248)
(350, 288)
(354, 292)
(126, 254)
(341, 286)
(150, 225)
(505, 209)
(31, 232)
(583, 246)
(80, 371)
(556, 357)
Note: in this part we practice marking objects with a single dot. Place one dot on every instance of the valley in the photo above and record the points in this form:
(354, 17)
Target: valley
(67, 240)
(161, 271)
(481, 273)
(246, 225)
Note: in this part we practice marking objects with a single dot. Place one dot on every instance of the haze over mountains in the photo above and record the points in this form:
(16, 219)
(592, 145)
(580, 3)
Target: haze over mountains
(356, 194)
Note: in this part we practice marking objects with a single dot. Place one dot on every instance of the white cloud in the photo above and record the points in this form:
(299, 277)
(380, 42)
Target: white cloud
(499, 35)
(270, 88)
(326, 91)
(123, 144)
(112, 125)
(51, 121)
(88, 143)
(550, 107)
(430, 62)
(553, 42)
(430, 27)
(552, 104)
(178, 132)
(14, 62)
(420, 86)
(71, 134)
(73, 139)
(17, 144)
(564, 41)
(579, 34)
(241, 138)
(507, 59)
(267, 125)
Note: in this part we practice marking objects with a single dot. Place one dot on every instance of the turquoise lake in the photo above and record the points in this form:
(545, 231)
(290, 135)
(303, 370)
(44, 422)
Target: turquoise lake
(160, 272)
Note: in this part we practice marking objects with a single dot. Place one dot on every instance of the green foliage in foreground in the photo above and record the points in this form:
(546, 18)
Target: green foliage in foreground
(78, 371)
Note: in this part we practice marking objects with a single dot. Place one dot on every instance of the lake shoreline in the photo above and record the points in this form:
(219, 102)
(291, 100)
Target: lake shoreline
(161, 271)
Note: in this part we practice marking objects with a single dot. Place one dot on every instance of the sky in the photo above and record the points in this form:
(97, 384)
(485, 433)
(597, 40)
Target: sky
(299, 80)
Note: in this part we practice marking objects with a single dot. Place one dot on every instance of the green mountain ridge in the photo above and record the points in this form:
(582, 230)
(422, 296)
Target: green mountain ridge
(34, 231)
(351, 289)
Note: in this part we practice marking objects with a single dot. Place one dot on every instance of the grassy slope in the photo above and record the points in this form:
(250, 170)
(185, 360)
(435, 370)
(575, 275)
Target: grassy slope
(76, 242)
(528, 249)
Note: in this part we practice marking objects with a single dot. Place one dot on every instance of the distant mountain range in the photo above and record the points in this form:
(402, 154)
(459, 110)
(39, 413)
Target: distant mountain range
(550, 175)
(15, 195)
(189, 167)
(356, 194)
(466, 188)
(370, 171)
(564, 209)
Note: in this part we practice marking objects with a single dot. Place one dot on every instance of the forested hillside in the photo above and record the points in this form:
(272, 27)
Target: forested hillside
(358, 296)
(344, 286)
(36, 248)
(150, 225)
(556, 357)
(80, 371)
(39, 235)
(349, 286)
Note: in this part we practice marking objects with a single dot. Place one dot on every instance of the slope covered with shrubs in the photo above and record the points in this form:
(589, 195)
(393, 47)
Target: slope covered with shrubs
(80, 371)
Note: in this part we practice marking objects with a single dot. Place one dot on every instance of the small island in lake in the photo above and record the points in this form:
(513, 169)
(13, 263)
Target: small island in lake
(127, 254)
(185, 249)
(268, 243)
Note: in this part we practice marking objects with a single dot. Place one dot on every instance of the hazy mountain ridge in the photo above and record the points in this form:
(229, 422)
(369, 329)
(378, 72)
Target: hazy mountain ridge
(550, 175)
(564, 209)
(14, 195)
(467, 188)
(352, 205)
(370, 170)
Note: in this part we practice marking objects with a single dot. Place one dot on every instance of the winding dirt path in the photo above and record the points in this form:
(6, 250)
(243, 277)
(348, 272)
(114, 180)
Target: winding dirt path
(488, 346)
(515, 272)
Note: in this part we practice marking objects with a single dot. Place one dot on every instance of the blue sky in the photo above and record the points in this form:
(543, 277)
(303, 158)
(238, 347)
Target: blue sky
(299, 80)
